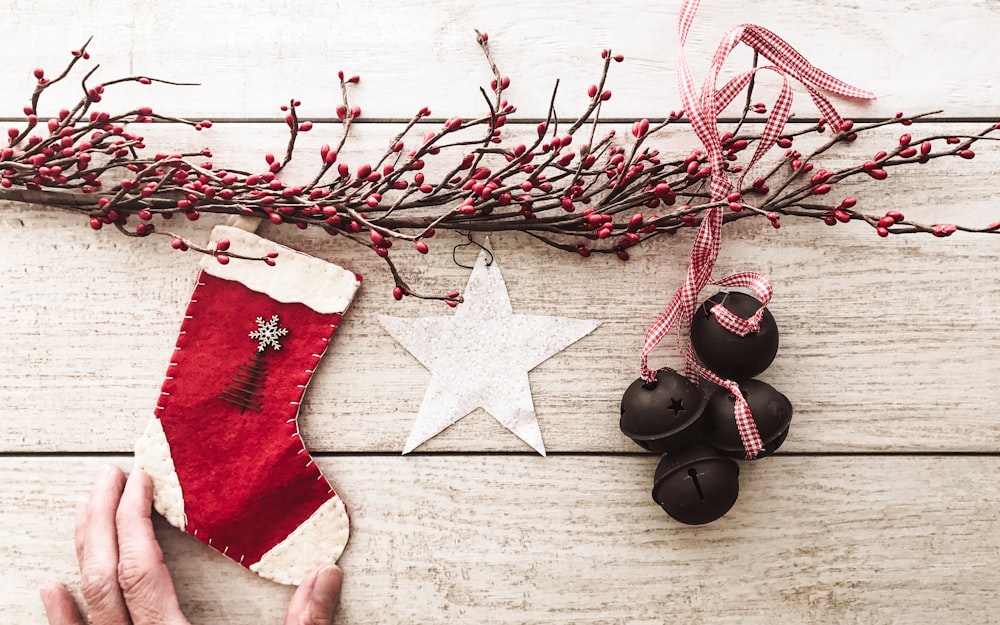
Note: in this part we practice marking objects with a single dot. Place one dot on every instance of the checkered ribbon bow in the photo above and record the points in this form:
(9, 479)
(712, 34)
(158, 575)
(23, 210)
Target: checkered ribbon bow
(702, 111)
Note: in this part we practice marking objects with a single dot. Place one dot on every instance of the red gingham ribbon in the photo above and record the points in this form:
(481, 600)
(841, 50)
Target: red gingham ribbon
(703, 111)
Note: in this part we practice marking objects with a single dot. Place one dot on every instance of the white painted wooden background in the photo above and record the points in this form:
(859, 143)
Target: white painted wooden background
(880, 508)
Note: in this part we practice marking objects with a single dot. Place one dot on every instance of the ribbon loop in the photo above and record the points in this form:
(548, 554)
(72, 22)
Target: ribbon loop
(702, 111)
(734, 323)
(755, 283)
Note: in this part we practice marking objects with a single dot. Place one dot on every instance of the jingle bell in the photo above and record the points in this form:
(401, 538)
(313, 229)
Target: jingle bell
(663, 415)
(772, 412)
(697, 485)
(729, 355)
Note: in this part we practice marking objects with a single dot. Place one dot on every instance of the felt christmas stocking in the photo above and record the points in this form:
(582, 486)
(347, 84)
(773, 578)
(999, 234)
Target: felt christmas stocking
(223, 448)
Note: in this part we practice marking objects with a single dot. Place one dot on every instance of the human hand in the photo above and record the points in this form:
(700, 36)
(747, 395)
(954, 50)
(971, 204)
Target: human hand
(123, 579)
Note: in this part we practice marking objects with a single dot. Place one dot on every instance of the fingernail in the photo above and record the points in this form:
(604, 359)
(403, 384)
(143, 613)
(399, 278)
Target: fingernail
(102, 474)
(326, 590)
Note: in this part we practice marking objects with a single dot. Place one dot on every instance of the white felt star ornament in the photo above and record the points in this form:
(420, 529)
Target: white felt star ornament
(480, 357)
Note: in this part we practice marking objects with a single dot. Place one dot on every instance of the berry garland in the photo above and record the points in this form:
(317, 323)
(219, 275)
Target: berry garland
(573, 186)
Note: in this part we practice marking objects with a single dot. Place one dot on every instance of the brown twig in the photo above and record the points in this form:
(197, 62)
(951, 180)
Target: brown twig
(574, 193)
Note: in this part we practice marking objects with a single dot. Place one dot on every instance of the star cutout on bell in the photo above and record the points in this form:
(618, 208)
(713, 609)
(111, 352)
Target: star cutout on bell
(480, 357)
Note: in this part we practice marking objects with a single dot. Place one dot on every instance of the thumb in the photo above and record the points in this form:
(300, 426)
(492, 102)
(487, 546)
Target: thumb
(316, 598)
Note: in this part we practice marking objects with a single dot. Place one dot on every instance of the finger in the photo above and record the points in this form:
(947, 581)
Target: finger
(144, 579)
(99, 551)
(79, 530)
(316, 598)
(60, 609)
(298, 607)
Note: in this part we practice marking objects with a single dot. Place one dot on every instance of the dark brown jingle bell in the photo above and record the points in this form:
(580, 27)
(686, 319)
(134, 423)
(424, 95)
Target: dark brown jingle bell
(729, 355)
(697, 485)
(663, 415)
(772, 412)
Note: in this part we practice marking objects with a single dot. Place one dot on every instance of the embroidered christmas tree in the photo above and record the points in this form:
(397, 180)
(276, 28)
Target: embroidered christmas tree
(244, 389)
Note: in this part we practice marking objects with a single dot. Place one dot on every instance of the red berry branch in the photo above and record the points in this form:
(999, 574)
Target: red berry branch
(572, 186)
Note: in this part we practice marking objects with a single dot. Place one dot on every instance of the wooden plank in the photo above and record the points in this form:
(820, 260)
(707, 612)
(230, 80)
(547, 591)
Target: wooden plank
(882, 347)
(521, 539)
(249, 60)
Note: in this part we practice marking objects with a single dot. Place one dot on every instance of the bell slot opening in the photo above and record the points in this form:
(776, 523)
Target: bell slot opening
(693, 472)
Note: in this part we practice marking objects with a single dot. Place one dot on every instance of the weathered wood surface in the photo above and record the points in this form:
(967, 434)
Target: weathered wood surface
(501, 539)
(249, 59)
(880, 507)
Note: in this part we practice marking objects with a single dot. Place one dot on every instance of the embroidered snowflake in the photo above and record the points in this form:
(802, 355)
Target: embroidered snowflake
(268, 333)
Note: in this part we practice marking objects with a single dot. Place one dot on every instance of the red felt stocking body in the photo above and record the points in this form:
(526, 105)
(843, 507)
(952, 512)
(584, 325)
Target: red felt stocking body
(223, 449)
